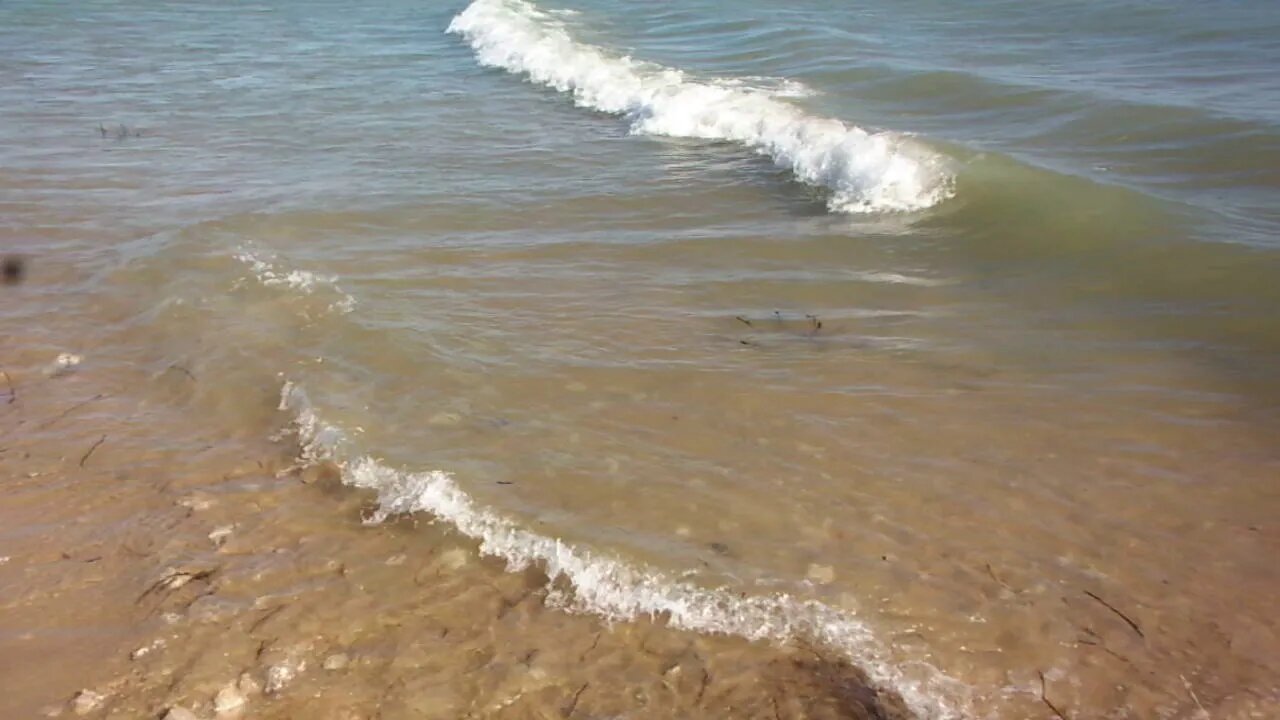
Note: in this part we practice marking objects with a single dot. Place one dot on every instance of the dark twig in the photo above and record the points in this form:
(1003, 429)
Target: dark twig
(1045, 699)
(182, 370)
(70, 410)
(85, 457)
(263, 620)
(702, 688)
(1122, 616)
(13, 392)
(573, 704)
(743, 320)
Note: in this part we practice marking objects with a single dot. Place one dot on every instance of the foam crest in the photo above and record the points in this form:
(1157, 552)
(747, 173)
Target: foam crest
(618, 590)
(863, 171)
(270, 274)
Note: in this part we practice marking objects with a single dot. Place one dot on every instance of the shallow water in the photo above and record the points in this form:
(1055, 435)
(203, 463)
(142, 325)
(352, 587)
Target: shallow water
(941, 338)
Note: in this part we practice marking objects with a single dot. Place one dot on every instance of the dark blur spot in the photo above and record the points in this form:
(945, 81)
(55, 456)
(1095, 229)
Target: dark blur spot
(13, 270)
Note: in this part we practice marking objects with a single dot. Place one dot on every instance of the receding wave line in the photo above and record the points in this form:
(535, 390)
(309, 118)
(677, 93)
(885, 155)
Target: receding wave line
(863, 171)
(615, 589)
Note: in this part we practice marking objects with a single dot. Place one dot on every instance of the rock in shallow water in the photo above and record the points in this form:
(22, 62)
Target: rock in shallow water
(229, 701)
(86, 701)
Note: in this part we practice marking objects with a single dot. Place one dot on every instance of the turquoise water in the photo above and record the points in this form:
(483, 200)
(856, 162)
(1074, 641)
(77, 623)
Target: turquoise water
(826, 284)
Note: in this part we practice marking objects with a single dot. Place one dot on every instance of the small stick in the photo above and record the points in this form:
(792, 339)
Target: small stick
(85, 458)
(1113, 609)
(743, 320)
(13, 392)
(573, 704)
(70, 410)
(1187, 684)
(1044, 698)
(183, 370)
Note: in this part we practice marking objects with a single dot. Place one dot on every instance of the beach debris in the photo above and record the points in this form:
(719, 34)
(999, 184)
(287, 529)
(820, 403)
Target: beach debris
(174, 580)
(63, 364)
(85, 458)
(218, 536)
(179, 713)
(743, 320)
(1122, 616)
(48, 423)
(147, 649)
(121, 132)
(814, 324)
(229, 701)
(397, 560)
(283, 673)
(248, 684)
(1045, 698)
(336, 661)
(196, 503)
(86, 701)
(573, 702)
(180, 369)
(13, 392)
(821, 574)
(13, 269)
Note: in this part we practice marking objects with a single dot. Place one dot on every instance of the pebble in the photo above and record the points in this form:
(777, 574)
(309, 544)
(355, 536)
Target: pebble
(398, 559)
(336, 661)
(278, 676)
(146, 650)
(229, 701)
(64, 363)
(196, 503)
(248, 684)
(220, 534)
(86, 701)
(179, 713)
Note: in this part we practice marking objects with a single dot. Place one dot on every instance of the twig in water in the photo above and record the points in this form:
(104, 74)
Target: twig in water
(573, 704)
(814, 324)
(182, 370)
(1045, 699)
(1122, 616)
(743, 320)
(85, 457)
(1187, 684)
(995, 577)
(70, 410)
(13, 392)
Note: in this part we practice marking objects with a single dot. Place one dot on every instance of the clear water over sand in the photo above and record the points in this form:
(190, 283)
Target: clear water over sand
(938, 344)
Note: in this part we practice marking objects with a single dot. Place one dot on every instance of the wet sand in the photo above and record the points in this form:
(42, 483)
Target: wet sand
(150, 566)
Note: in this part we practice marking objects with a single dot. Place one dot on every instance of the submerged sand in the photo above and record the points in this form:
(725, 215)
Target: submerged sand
(150, 568)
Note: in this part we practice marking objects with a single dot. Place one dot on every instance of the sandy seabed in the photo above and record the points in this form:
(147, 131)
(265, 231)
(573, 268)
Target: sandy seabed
(151, 569)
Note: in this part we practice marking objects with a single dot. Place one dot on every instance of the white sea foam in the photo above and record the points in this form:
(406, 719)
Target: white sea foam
(270, 274)
(863, 171)
(618, 590)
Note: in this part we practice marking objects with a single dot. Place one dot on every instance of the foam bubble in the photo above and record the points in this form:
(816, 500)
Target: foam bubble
(863, 171)
(269, 274)
(618, 590)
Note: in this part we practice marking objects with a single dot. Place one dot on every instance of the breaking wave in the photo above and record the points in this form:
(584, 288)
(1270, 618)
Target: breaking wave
(615, 589)
(863, 171)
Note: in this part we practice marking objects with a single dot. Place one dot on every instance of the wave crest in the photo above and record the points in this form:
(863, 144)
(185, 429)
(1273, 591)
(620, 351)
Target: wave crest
(614, 589)
(863, 171)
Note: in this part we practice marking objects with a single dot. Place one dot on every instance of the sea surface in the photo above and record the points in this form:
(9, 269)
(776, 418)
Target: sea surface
(942, 336)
